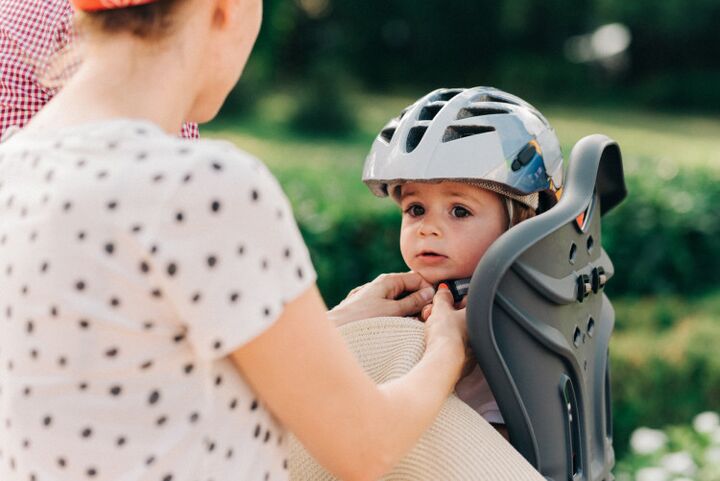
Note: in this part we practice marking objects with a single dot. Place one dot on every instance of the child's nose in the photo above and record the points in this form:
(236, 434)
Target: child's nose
(429, 227)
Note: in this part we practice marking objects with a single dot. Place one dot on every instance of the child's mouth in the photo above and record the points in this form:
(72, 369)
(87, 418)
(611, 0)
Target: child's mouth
(430, 257)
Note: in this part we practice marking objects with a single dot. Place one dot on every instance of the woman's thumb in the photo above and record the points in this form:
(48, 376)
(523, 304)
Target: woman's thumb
(443, 296)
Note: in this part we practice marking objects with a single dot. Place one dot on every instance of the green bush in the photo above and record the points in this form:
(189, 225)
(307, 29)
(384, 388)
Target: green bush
(665, 238)
(661, 374)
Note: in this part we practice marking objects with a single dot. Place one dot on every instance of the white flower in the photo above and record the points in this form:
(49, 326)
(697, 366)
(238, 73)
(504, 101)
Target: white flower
(679, 463)
(706, 422)
(652, 474)
(712, 455)
(647, 441)
(715, 436)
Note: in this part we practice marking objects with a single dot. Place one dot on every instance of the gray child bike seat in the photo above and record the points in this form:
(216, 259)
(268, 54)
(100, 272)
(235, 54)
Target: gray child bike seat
(540, 324)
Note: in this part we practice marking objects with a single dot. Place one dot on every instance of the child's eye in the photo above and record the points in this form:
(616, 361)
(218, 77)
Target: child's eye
(459, 211)
(415, 210)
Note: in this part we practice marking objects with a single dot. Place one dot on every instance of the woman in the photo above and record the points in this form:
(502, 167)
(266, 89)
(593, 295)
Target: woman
(161, 317)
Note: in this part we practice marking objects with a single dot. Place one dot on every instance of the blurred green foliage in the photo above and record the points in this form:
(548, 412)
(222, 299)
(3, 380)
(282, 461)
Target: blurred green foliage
(664, 362)
(518, 45)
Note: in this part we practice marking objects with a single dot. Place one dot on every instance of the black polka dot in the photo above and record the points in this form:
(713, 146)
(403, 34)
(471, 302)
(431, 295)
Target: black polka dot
(149, 460)
(83, 386)
(215, 206)
(196, 297)
(115, 302)
(81, 235)
(212, 261)
(167, 477)
(112, 352)
(47, 421)
(115, 390)
(172, 269)
(121, 441)
(188, 368)
(109, 248)
(300, 273)
(254, 405)
(148, 325)
(161, 421)
(217, 345)
(29, 326)
(154, 397)
(61, 462)
(91, 472)
(80, 285)
(255, 195)
(158, 178)
(112, 205)
(156, 293)
(218, 380)
(146, 365)
(233, 404)
(179, 216)
(86, 433)
(217, 166)
(194, 417)
(84, 324)
(67, 206)
(234, 297)
(144, 267)
(256, 434)
(187, 178)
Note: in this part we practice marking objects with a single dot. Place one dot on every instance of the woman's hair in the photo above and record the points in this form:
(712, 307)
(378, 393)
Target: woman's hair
(148, 21)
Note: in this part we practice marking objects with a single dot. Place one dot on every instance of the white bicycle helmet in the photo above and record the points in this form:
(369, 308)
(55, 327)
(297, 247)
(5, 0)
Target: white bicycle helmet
(480, 135)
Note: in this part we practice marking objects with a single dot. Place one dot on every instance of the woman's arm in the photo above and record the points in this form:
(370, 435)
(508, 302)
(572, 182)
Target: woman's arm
(302, 369)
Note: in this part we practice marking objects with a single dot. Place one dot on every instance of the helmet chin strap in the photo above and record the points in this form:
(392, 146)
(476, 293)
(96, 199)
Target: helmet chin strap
(458, 288)
(510, 211)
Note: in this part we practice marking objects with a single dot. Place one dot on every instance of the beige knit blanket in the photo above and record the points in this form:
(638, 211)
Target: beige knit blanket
(459, 446)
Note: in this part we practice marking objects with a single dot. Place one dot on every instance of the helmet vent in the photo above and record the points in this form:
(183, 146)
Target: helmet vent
(414, 137)
(495, 98)
(387, 134)
(431, 110)
(446, 95)
(461, 131)
(479, 111)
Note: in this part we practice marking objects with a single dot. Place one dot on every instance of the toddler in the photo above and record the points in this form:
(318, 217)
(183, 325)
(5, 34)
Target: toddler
(464, 166)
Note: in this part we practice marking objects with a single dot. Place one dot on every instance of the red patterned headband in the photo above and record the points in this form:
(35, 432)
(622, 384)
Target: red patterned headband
(97, 5)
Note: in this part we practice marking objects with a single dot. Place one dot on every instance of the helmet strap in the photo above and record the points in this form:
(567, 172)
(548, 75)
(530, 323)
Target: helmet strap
(510, 211)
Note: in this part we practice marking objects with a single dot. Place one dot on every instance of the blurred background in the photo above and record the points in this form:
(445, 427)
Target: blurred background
(326, 75)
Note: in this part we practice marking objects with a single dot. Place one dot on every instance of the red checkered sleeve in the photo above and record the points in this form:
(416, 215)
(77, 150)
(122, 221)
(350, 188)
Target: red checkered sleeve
(31, 32)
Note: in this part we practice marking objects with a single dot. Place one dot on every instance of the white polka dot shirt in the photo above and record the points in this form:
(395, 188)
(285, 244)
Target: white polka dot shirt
(131, 264)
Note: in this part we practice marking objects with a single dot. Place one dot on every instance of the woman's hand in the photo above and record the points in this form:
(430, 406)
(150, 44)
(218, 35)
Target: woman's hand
(380, 298)
(447, 326)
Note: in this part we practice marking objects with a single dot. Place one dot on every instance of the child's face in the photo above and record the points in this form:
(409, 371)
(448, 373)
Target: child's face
(447, 227)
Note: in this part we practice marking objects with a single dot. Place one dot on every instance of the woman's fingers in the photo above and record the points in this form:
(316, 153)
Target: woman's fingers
(395, 284)
(415, 302)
